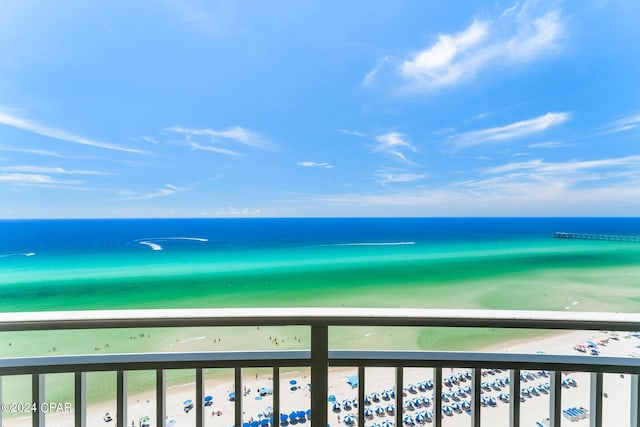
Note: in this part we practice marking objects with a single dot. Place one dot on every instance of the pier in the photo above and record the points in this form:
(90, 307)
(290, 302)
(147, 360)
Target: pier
(589, 236)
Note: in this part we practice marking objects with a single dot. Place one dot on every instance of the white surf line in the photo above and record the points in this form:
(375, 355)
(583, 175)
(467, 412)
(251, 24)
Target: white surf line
(374, 244)
(156, 247)
(153, 246)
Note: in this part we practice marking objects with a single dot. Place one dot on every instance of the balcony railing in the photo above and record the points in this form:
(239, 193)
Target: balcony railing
(319, 358)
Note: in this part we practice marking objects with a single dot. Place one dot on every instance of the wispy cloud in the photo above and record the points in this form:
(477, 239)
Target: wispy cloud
(40, 180)
(519, 35)
(394, 144)
(510, 131)
(370, 77)
(315, 165)
(165, 191)
(549, 144)
(351, 132)
(624, 124)
(386, 177)
(32, 151)
(50, 170)
(539, 166)
(62, 135)
(220, 140)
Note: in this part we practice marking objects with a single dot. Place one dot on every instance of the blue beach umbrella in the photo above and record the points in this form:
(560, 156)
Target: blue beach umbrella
(208, 398)
(232, 396)
(420, 418)
(385, 395)
(171, 423)
(264, 422)
(187, 402)
(379, 411)
(368, 412)
(284, 417)
(386, 423)
(390, 409)
(335, 406)
(293, 382)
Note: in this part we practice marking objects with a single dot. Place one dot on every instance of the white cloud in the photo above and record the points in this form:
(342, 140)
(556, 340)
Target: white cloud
(59, 134)
(541, 167)
(621, 125)
(315, 165)
(511, 131)
(549, 144)
(165, 191)
(351, 132)
(519, 35)
(38, 180)
(50, 170)
(234, 134)
(32, 151)
(394, 144)
(387, 177)
(197, 146)
(370, 77)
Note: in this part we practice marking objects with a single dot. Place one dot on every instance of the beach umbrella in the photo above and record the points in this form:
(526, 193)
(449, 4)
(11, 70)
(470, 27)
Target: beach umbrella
(466, 405)
(268, 411)
(245, 425)
(367, 400)
(456, 406)
(425, 401)
(368, 412)
(293, 382)
(348, 420)
(446, 409)
(385, 395)
(375, 397)
(408, 419)
(420, 418)
(386, 423)
(380, 411)
(284, 417)
(255, 424)
(171, 423)
(429, 384)
(336, 406)
(308, 413)
(187, 402)
(346, 404)
(232, 396)
(390, 409)
(467, 389)
(412, 388)
(264, 422)
(428, 415)
(208, 398)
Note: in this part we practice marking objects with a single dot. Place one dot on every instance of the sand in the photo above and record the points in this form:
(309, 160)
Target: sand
(535, 408)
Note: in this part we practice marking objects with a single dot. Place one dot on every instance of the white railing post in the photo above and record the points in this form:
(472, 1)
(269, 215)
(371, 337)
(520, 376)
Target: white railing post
(319, 374)
(80, 399)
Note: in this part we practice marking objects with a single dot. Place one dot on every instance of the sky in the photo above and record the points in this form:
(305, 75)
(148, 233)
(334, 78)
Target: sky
(193, 108)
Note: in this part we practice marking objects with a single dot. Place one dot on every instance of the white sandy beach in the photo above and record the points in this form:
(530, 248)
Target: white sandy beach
(534, 408)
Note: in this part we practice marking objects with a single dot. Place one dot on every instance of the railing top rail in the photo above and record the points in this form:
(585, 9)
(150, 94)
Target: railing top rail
(93, 319)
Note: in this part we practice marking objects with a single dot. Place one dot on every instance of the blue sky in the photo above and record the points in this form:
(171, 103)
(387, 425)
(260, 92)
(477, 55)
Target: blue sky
(319, 108)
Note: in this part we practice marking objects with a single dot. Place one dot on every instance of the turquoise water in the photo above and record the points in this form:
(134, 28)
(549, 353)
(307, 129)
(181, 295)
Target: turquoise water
(418, 262)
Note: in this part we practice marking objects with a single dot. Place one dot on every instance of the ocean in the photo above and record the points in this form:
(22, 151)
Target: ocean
(489, 263)
(512, 263)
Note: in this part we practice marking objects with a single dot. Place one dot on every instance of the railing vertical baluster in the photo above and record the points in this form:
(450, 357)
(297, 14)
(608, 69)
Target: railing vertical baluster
(80, 399)
(121, 398)
(437, 397)
(555, 399)
(476, 389)
(37, 394)
(361, 396)
(199, 397)
(595, 408)
(1, 400)
(161, 401)
(238, 397)
(276, 396)
(514, 401)
(635, 401)
(399, 396)
(319, 374)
